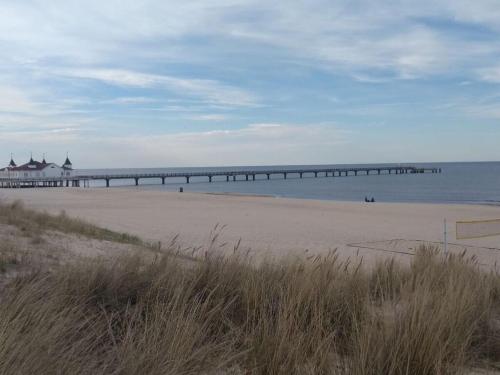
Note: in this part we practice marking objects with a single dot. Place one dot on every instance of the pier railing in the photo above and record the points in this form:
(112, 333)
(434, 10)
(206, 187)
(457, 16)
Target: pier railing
(229, 174)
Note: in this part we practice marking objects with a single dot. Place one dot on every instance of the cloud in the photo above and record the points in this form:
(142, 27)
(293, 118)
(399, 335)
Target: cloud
(486, 111)
(26, 118)
(265, 143)
(384, 35)
(39, 137)
(126, 70)
(209, 90)
(393, 38)
(131, 100)
(252, 144)
(484, 12)
(14, 100)
(360, 77)
(491, 74)
(209, 117)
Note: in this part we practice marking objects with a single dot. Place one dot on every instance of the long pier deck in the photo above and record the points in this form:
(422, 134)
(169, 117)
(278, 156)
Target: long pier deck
(234, 175)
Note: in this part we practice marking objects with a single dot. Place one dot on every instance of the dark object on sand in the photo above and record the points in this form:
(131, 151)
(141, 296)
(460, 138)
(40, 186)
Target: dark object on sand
(181, 190)
(373, 200)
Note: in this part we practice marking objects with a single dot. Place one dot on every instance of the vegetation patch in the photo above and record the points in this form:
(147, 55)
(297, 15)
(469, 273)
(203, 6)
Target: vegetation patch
(228, 315)
(33, 223)
(155, 313)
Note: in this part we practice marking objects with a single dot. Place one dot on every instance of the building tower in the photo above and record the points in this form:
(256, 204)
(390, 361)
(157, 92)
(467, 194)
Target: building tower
(12, 164)
(67, 164)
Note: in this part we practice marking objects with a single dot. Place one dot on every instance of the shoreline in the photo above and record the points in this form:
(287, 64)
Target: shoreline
(147, 187)
(269, 227)
(134, 189)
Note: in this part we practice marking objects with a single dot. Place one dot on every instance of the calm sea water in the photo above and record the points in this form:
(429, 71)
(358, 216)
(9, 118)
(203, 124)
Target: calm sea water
(477, 183)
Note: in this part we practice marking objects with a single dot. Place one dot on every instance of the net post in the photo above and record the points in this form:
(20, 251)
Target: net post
(445, 239)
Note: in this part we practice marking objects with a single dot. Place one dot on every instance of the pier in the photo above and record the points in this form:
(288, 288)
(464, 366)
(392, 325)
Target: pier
(228, 175)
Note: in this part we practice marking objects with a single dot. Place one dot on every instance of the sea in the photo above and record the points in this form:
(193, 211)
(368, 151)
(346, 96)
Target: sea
(469, 183)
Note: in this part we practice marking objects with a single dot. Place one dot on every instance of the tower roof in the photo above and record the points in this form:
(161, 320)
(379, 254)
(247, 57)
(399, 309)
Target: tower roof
(67, 162)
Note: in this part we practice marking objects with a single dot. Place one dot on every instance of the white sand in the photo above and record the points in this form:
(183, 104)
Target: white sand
(270, 225)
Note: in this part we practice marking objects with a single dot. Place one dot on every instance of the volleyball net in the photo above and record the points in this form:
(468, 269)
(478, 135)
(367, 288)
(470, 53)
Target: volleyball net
(477, 229)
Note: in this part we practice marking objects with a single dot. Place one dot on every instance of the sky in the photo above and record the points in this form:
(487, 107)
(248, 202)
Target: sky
(248, 82)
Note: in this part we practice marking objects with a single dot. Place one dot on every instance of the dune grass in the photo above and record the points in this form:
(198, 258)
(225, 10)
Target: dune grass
(439, 317)
(158, 314)
(227, 315)
(33, 223)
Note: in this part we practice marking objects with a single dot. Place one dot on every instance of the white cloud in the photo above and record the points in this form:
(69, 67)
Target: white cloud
(360, 77)
(340, 34)
(209, 90)
(26, 118)
(39, 137)
(253, 144)
(485, 111)
(491, 74)
(190, 60)
(483, 12)
(131, 100)
(209, 117)
(14, 100)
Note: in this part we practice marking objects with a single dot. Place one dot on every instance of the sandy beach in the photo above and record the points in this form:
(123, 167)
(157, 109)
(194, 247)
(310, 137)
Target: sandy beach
(266, 225)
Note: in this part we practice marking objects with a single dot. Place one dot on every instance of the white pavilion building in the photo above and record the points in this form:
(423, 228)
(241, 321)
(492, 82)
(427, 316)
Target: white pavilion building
(37, 169)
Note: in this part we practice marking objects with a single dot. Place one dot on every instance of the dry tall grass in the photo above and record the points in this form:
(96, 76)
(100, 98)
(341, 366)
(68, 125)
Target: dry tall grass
(226, 315)
(141, 314)
(32, 223)
(437, 317)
